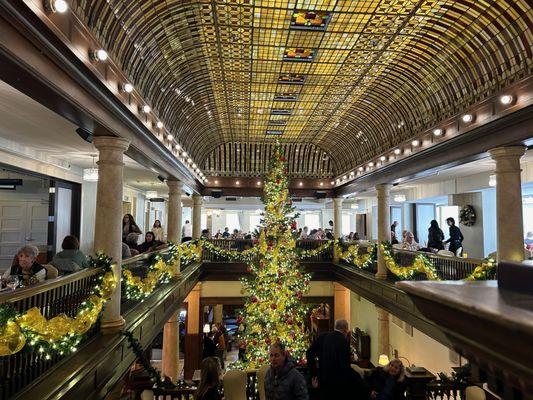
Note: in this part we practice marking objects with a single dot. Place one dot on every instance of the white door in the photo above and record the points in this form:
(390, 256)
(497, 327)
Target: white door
(21, 222)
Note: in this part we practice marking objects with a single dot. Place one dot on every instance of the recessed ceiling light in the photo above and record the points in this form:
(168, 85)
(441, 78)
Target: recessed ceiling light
(467, 118)
(352, 173)
(300, 184)
(258, 183)
(371, 164)
(397, 151)
(438, 132)
(332, 182)
(344, 177)
(100, 55)
(383, 158)
(178, 147)
(159, 124)
(506, 99)
(170, 137)
(415, 143)
(361, 168)
(128, 87)
(189, 160)
(59, 6)
(184, 154)
(237, 182)
(216, 182)
(146, 109)
(321, 183)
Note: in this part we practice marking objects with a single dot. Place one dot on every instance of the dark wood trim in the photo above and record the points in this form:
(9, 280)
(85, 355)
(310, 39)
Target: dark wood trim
(234, 271)
(237, 301)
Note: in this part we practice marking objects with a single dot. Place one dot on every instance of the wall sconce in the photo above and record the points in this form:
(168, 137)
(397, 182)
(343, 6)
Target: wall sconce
(59, 6)
(383, 360)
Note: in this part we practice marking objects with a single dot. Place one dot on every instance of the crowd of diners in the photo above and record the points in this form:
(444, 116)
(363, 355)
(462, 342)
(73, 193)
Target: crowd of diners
(329, 373)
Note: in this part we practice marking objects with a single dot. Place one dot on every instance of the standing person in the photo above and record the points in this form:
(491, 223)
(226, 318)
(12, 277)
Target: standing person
(305, 233)
(209, 349)
(186, 232)
(435, 236)
(282, 380)
(226, 233)
(456, 237)
(393, 237)
(388, 383)
(129, 226)
(157, 229)
(220, 343)
(329, 359)
(208, 389)
(71, 259)
(26, 270)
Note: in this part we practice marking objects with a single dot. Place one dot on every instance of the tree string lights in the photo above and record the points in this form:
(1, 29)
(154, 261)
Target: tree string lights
(274, 311)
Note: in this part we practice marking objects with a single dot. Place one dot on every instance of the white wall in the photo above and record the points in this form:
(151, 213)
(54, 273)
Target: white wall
(88, 216)
(410, 343)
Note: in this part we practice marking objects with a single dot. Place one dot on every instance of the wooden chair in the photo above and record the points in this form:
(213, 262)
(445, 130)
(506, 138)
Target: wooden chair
(234, 383)
(475, 393)
(261, 375)
(51, 271)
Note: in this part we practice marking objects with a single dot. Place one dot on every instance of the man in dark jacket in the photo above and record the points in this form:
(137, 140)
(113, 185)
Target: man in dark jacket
(282, 380)
(329, 360)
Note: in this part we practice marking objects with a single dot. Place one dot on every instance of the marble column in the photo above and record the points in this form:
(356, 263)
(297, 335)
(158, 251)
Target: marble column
(341, 302)
(509, 218)
(197, 216)
(383, 332)
(193, 340)
(174, 211)
(218, 313)
(108, 223)
(383, 192)
(337, 224)
(171, 348)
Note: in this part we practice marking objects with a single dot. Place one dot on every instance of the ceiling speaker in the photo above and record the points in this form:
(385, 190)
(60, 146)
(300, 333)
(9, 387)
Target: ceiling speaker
(217, 194)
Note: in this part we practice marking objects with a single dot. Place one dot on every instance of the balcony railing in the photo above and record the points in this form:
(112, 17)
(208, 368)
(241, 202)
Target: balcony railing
(62, 295)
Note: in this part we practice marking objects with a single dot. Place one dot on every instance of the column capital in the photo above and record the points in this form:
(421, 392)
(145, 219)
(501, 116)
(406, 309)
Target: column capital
(337, 201)
(383, 187)
(111, 142)
(174, 186)
(510, 151)
(197, 199)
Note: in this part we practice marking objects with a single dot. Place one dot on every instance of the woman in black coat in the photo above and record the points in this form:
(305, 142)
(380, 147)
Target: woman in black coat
(388, 383)
(435, 236)
(456, 237)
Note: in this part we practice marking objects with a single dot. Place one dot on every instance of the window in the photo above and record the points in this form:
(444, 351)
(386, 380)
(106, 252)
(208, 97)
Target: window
(312, 221)
(444, 212)
(203, 221)
(425, 213)
(255, 222)
(346, 224)
(232, 221)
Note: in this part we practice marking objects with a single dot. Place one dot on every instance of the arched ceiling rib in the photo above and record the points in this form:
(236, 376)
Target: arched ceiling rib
(382, 69)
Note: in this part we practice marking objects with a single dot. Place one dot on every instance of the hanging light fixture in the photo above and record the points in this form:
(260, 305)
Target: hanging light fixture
(91, 174)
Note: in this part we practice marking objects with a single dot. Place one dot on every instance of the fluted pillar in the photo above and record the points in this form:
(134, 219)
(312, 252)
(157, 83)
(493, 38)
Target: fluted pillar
(196, 216)
(171, 348)
(383, 332)
(383, 193)
(218, 313)
(337, 224)
(108, 222)
(509, 218)
(174, 211)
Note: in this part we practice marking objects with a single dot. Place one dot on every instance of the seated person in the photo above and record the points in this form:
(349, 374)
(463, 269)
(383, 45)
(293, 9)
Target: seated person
(528, 241)
(409, 243)
(150, 244)
(71, 259)
(26, 269)
(131, 241)
(126, 252)
(388, 383)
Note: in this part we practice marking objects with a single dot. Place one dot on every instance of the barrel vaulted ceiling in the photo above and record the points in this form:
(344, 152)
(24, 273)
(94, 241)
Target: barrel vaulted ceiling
(352, 78)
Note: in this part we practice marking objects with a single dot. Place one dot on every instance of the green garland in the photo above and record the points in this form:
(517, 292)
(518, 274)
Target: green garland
(138, 350)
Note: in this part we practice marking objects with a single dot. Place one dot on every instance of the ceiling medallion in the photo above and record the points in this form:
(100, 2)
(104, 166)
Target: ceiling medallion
(299, 54)
(310, 20)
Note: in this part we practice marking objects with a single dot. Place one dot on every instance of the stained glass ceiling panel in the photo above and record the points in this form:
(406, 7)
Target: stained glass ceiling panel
(369, 65)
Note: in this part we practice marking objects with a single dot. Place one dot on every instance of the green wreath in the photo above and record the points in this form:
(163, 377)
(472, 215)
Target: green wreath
(467, 216)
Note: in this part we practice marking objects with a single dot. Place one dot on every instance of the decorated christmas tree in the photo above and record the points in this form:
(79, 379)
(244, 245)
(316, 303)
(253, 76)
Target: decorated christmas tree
(274, 310)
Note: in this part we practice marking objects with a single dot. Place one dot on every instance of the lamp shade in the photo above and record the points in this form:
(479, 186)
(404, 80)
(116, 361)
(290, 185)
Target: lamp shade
(383, 360)
(207, 329)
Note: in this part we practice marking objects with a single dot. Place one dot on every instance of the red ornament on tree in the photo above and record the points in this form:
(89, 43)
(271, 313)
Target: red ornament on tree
(273, 306)
(268, 341)
(253, 299)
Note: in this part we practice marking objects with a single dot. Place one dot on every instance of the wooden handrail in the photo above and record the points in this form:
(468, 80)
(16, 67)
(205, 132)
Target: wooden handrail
(22, 293)
(435, 255)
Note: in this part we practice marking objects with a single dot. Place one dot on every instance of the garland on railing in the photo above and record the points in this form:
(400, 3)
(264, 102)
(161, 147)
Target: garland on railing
(60, 334)
(137, 349)
(422, 264)
(160, 270)
(232, 255)
(315, 252)
(351, 256)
